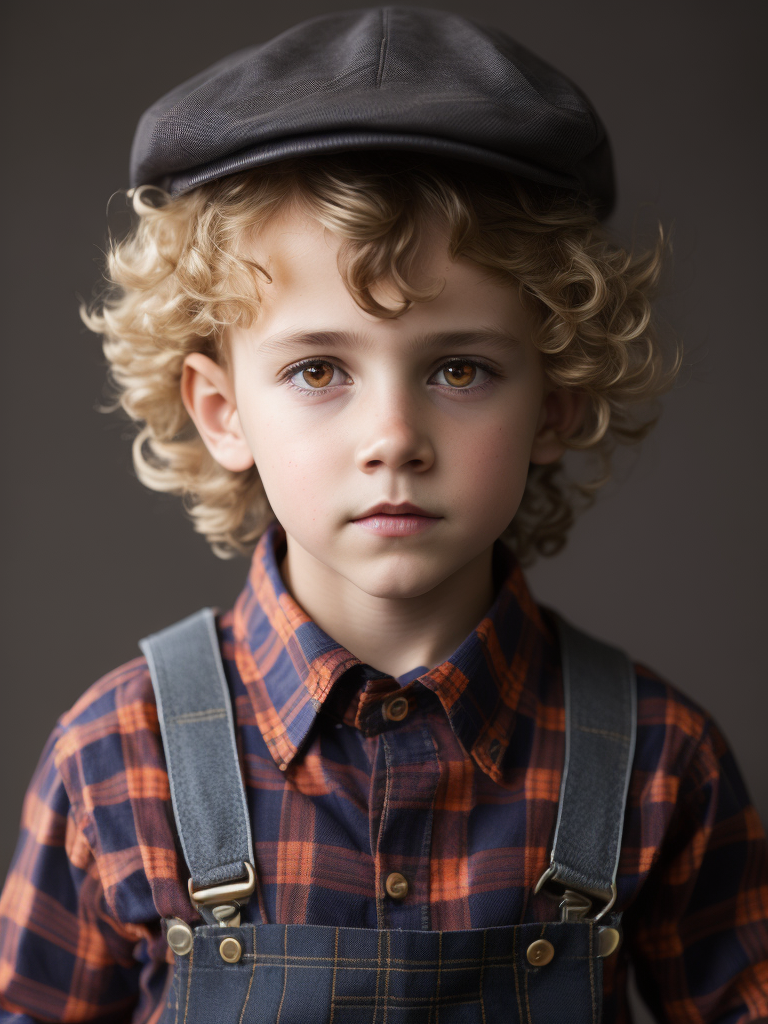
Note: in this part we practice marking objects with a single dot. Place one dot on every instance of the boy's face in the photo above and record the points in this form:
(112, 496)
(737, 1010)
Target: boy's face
(443, 408)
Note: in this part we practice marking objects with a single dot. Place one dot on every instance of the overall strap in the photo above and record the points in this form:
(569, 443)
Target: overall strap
(197, 727)
(600, 723)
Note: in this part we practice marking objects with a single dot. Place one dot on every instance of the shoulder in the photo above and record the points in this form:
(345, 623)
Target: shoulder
(109, 755)
(679, 747)
(672, 727)
(676, 736)
(108, 745)
(686, 784)
(113, 731)
(120, 702)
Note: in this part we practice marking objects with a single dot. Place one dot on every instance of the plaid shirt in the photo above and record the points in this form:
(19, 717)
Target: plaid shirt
(460, 796)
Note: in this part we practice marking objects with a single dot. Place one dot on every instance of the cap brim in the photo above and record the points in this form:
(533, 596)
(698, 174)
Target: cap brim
(336, 142)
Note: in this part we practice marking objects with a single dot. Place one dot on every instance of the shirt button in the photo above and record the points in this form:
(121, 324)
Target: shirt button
(540, 952)
(397, 885)
(396, 710)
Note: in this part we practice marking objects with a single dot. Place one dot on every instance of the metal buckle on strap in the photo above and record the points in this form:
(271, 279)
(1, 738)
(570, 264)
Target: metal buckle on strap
(575, 904)
(223, 901)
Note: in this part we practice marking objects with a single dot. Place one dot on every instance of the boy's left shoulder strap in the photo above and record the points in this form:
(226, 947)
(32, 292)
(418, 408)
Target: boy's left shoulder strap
(600, 696)
(195, 714)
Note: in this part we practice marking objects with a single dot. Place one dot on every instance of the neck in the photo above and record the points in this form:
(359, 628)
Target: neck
(392, 635)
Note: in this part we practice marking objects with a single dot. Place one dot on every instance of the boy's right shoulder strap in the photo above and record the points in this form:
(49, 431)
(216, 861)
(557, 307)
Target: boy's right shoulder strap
(196, 723)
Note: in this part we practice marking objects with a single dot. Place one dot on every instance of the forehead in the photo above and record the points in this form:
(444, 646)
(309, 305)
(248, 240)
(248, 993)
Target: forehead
(293, 243)
(308, 302)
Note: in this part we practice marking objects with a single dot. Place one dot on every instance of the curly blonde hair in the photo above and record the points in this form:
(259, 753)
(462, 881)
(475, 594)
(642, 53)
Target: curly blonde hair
(180, 278)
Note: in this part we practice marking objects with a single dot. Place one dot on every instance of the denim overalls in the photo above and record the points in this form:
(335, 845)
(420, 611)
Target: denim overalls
(531, 973)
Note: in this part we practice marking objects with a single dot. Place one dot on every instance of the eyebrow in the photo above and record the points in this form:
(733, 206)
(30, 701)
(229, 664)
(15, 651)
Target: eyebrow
(420, 342)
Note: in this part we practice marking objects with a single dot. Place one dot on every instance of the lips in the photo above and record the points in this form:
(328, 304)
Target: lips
(405, 509)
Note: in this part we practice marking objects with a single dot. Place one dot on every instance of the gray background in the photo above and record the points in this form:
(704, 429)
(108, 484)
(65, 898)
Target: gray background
(669, 562)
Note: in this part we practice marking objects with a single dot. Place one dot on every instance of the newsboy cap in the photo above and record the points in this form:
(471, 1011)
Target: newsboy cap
(404, 78)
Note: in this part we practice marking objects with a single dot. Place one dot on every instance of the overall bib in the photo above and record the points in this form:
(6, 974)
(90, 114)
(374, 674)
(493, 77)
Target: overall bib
(530, 973)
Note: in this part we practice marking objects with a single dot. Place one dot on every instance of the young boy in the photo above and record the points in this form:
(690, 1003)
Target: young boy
(368, 311)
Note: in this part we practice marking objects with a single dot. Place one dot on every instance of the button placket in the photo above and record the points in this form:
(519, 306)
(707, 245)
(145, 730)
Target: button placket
(412, 772)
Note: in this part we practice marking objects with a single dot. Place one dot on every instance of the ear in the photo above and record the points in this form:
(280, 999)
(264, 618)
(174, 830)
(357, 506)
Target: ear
(209, 398)
(562, 413)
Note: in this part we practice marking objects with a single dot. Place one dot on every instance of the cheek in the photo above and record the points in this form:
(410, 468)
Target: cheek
(498, 463)
(489, 465)
(296, 465)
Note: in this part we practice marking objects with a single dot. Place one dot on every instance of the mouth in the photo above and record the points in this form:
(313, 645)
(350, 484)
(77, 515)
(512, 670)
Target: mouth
(404, 520)
(405, 509)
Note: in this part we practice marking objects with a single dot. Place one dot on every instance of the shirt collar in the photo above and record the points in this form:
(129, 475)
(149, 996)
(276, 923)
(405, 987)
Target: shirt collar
(289, 665)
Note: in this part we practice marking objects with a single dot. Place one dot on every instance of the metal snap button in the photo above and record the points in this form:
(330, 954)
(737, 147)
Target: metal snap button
(179, 936)
(230, 950)
(608, 941)
(540, 952)
(397, 885)
(396, 709)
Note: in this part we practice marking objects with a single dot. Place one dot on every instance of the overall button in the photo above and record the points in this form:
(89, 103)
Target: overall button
(540, 952)
(397, 885)
(608, 941)
(230, 950)
(179, 936)
(396, 710)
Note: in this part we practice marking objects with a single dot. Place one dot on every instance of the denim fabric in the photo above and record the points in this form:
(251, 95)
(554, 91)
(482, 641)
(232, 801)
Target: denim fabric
(195, 714)
(294, 974)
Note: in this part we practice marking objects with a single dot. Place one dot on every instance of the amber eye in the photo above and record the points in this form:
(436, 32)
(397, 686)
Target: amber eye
(318, 375)
(460, 374)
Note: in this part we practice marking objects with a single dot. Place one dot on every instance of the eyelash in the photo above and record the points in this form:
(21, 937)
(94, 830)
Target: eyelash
(291, 371)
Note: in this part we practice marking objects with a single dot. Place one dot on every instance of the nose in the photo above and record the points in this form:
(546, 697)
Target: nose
(393, 431)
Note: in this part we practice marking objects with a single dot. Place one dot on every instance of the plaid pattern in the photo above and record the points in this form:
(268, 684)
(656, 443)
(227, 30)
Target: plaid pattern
(460, 797)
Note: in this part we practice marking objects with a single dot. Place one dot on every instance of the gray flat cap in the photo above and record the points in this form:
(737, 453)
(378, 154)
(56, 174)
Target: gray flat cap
(407, 78)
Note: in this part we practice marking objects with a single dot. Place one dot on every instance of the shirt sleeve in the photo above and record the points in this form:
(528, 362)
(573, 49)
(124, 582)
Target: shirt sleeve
(698, 931)
(63, 956)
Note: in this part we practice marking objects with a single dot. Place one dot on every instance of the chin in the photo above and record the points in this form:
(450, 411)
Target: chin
(399, 580)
